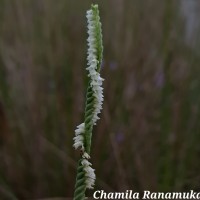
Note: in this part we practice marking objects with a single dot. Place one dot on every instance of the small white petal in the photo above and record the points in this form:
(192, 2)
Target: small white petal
(78, 139)
(89, 173)
(77, 145)
(85, 162)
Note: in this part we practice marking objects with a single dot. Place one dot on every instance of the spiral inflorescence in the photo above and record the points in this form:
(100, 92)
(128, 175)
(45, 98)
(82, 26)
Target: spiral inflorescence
(94, 99)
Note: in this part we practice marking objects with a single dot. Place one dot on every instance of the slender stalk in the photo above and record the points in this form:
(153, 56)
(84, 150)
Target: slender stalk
(94, 98)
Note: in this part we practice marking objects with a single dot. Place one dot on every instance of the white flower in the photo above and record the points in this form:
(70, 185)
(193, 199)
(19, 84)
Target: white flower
(89, 173)
(96, 80)
(86, 155)
(79, 138)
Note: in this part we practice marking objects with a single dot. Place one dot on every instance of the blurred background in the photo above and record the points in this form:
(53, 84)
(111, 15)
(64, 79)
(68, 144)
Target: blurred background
(149, 132)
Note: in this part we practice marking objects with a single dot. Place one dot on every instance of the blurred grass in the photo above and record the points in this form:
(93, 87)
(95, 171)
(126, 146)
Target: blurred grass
(148, 135)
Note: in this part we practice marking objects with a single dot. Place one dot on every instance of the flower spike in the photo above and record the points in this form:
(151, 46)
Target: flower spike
(94, 100)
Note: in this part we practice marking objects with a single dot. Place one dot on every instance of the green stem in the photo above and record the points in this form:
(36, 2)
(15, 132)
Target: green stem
(80, 187)
(89, 109)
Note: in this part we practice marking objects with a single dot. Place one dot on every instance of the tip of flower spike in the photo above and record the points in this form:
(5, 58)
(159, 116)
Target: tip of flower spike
(94, 6)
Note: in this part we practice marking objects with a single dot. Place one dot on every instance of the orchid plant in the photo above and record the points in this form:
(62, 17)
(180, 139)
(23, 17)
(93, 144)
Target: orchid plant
(94, 99)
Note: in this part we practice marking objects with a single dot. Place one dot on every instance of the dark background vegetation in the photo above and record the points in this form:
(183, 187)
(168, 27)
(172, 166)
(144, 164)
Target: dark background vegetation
(149, 132)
